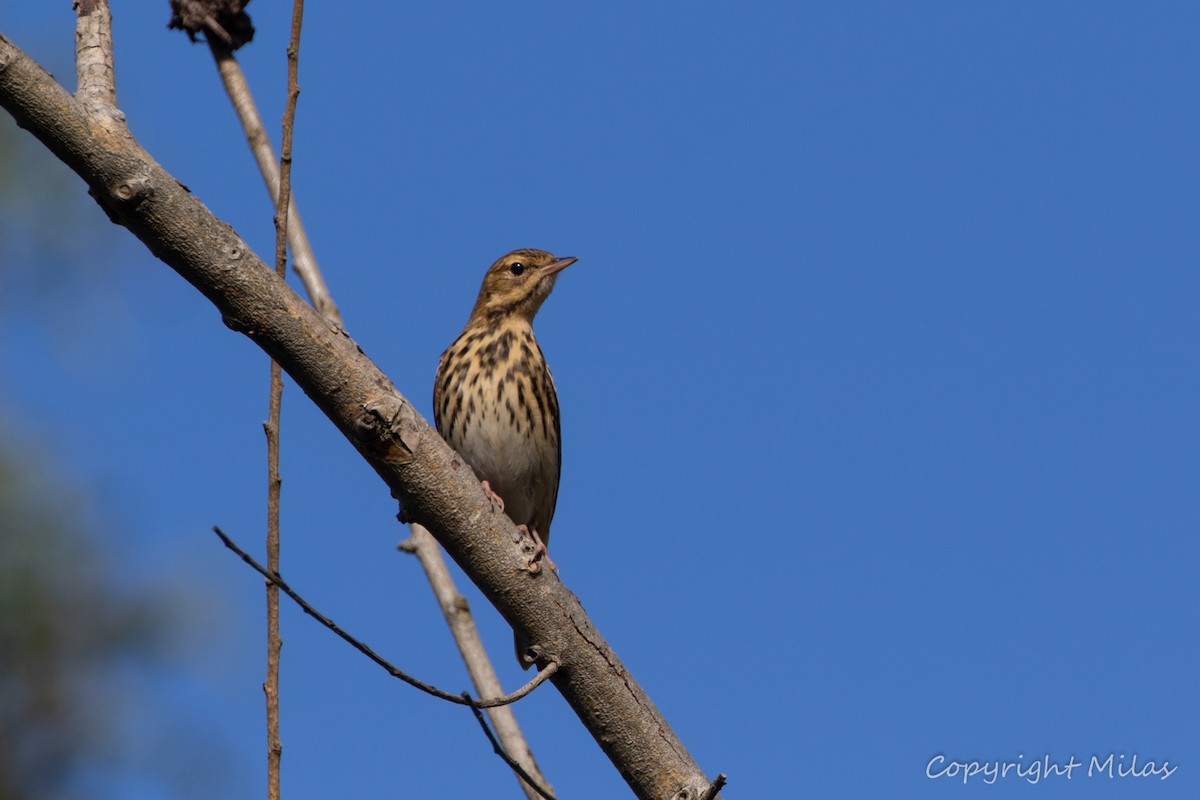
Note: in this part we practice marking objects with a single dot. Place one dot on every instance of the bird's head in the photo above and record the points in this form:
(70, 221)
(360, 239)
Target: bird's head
(518, 283)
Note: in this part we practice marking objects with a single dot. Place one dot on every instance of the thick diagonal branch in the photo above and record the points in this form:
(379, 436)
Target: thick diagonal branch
(433, 486)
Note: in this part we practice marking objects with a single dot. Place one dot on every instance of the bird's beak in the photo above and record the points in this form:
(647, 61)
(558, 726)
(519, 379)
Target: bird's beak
(558, 266)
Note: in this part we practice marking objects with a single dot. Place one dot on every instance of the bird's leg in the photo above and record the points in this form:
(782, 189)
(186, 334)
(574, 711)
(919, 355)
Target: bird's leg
(540, 552)
(496, 500)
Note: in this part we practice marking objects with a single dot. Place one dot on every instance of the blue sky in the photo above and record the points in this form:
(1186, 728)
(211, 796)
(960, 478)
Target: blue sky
(878, 371)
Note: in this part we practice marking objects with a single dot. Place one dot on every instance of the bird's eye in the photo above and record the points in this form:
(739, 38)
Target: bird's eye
(517, 268)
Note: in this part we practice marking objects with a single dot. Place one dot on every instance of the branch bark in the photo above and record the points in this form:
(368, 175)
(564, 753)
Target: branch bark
(431, 483)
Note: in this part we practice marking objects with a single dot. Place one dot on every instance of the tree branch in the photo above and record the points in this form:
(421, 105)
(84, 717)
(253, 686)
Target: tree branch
(95, 76)
(432, 484)
(283, 204)
(274, 640)
(714, 788)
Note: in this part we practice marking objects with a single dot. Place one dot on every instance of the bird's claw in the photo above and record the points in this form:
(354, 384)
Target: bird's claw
(539, 551)
(496, 500)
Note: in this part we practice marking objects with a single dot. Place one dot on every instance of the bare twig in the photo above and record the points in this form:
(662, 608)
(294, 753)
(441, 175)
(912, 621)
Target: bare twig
(394, 671)
(304, 260)
(517, 768)
(714, 788)
(274, 641)
(466, 636)
(94, 74)
(282, 204)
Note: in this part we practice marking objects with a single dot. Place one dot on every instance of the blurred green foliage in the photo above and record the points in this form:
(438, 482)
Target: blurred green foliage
(65, 626)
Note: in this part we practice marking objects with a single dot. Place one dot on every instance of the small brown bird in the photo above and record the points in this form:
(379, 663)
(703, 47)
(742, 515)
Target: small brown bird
(494, 400)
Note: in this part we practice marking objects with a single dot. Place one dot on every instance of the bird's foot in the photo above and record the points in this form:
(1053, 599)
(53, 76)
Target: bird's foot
(496, 500)
(539, 552)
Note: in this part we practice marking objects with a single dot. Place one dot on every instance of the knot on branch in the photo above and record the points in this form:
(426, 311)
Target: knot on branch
(123, 197)
(233, 252)
(385, 431)
(131, 193)
(236, 324)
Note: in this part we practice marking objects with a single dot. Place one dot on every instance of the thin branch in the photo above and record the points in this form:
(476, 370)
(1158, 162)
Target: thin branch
(283, 201)
(363, 648)
(282, 204)
(94, 73)
(462, 626)
(274, 641)
(304, 260)
(714, 788)
(517, 768)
